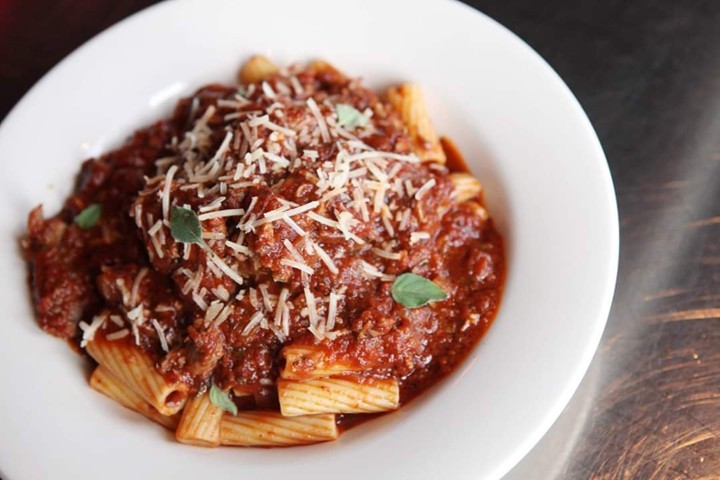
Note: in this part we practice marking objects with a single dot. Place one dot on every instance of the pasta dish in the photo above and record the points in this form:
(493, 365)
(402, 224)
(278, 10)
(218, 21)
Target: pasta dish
(277, 261)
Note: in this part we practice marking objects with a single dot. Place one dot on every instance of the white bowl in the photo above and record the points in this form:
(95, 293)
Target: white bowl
(522, 132)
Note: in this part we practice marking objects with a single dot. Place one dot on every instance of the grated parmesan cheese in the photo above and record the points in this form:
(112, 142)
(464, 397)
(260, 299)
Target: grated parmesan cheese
(230, 212)
(273, 133)
(267, 301)
(332, 311)
(293, 251)
(286, 218)
(117, 335)
(315, 110)
(89, 330)
(416, 237)
(325, 258)
(297, 265)
(386, 254)
(424, 188)
(166, 191)
(161, 335)
(312, 307)
(281, 305)
(255, 320)
(136, 286)
(371, 271)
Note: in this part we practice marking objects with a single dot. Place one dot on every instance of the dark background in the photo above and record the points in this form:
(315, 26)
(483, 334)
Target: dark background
(648, 74)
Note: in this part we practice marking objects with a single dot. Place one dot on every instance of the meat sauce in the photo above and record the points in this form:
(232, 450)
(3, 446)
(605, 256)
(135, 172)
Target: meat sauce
(178, 301)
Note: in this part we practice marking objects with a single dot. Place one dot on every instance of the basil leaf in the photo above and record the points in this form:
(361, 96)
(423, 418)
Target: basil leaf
(89, 216)
(349, 116)
(415, 291)
(185, 226)
(221, 399)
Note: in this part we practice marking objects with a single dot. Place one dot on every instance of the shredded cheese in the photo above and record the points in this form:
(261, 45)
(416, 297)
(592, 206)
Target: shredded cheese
(89, 330)
(286, 218)
(281, 145)
(117, 335)
(214, 205)
(300, 266)
(332, 311)
(161, 335)
(238, 248)
(424, 188)
(281, 305)
(166, 191)
(312, 307)
(372, 272)
(416, 237)
(293, 251)
(255, 320)
(386, 254)
(320, 119)
(230, 212)
(136, 286)
(325, 258)
(267, 301)
(234, 276)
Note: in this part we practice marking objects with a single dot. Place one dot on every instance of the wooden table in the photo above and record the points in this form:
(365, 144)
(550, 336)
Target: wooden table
(648, 74)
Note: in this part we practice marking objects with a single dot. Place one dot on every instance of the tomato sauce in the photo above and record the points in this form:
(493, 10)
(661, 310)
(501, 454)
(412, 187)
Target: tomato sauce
(178, 302)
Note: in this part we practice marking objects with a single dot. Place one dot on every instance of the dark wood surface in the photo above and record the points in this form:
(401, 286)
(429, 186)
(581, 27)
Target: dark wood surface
(648, 74)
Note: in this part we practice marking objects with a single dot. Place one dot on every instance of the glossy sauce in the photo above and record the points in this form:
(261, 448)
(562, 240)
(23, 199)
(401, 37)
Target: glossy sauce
(80, 273)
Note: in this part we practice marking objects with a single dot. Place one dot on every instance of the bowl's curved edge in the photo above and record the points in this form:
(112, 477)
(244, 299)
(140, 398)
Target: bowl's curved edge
(613, 239)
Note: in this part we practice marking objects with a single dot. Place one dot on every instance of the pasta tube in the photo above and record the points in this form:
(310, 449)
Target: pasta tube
(270, 429)
(337, 395)
(466, 186)
(200, 423)
(256, 69)
(307, 361)
(106, 383)
(407, 99)
(134, 368)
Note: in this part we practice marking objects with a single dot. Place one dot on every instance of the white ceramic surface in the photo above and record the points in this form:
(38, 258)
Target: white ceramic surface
(519, 126)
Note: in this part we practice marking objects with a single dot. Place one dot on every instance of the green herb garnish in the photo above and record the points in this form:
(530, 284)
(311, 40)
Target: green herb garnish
(89, 216)
(349, 116)
(415, 291)
(221, 399)
(185, 226)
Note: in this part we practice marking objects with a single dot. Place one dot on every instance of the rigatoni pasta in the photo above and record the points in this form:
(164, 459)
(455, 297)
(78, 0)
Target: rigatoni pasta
(134, 368)
(257, 69)
(337, 395)
(276, 260)
(271, 429)
(200, 422)
(310, 361)
(408, 99)
(466, 187)
(108, 384)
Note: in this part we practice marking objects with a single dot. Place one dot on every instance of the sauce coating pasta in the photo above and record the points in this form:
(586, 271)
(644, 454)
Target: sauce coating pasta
(259, 233)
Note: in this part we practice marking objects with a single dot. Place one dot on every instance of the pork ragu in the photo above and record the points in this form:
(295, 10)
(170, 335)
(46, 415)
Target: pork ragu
(289, 228)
